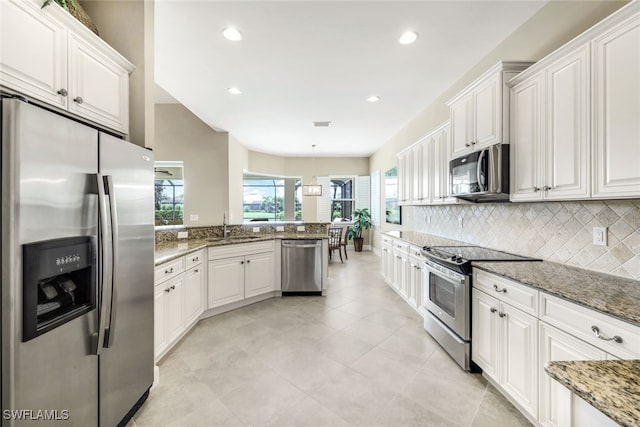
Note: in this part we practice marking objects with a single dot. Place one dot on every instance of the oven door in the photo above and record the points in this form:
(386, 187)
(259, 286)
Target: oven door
(447, 298)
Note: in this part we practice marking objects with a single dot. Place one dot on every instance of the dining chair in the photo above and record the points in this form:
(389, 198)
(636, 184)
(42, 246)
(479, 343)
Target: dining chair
(335, 241)
(345, 241)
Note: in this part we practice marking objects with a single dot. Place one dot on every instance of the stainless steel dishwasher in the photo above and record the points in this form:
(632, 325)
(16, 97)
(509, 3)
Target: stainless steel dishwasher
(302, 267)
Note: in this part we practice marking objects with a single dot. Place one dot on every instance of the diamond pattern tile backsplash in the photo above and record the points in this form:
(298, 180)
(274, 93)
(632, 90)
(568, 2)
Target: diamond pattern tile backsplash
(555, 231)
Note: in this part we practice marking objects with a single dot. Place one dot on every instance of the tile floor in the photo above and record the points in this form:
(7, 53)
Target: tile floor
(357, 357)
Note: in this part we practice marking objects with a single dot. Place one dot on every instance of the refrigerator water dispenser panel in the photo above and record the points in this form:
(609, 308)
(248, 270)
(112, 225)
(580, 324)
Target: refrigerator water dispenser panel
(59, 283)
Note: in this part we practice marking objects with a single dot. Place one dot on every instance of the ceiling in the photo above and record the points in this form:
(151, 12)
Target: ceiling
(306, 61)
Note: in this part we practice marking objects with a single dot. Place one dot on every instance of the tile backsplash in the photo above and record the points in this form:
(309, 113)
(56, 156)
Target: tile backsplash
(555, 231)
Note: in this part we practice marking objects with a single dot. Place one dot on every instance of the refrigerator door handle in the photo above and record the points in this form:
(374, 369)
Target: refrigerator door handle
(105, 269)
(110, 330)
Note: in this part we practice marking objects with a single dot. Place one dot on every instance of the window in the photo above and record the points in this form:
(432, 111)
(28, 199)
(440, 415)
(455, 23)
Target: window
(271, 199)
(169, 193)
(342, 198)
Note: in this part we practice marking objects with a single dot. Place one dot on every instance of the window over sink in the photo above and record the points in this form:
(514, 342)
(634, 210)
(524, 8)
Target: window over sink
(169, 193)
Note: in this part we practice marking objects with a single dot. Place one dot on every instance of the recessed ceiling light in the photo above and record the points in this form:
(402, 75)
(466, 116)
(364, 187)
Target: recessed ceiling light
(373, 98)
(231, 33)
(408, 37)
(234, 91)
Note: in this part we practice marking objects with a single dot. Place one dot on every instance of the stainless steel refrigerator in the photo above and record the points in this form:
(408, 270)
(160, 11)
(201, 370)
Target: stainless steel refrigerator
(77, 271)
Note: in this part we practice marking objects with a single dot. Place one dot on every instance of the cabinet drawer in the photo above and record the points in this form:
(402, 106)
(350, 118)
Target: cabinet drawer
(194, 259)
(513, 293)
(240, 249)
(400, 246)
(168, 270)
(386, 239)
(414, 251)
(580, 322)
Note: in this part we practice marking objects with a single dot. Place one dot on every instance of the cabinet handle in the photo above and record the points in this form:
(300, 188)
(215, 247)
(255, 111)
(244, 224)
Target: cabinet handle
(493, 309)
(78, 100)
(248, 261)
(196, 271)
(547, 188)
(614, 338)
(168, 290)
(501, 314)
(497, 289)
(467, 144)
(63, 92)
(173, 287)
(195, 259)
(536, 189)
(169, 271)
(241, 262)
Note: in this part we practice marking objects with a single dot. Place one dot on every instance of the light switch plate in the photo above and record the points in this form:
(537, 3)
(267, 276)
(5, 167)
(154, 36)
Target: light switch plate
(256, 229)
(279, 228)
(194, 217)
(600, 236)
(301, 228)
(183, 234)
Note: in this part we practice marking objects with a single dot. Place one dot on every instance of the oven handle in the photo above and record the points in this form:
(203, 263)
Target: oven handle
(460, 279)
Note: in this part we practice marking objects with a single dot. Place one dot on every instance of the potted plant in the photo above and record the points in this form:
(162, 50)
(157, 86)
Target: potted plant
(361, 221)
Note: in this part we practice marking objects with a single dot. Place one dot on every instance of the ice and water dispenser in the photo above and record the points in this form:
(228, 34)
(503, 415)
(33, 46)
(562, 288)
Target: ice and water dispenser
(59, 283)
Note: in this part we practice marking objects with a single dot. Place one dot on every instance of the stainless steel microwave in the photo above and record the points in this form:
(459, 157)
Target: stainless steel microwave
(481, 176)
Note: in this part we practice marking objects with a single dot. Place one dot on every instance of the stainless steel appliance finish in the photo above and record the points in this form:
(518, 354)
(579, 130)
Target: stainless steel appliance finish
(63, 180)
(302, 267)
(447, 301)
(481, 176)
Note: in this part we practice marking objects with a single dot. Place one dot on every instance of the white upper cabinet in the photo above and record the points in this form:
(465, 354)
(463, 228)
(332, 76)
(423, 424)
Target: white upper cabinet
(575, 117)
(616, 105)
(550, 131)
(67, 66)
(480, 113)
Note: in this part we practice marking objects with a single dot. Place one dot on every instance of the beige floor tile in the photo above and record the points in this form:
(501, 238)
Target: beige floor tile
(369, 332)
(496, 410)
(308, 413)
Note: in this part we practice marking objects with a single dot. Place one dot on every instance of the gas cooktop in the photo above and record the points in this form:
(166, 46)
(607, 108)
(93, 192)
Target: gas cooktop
(459, 258)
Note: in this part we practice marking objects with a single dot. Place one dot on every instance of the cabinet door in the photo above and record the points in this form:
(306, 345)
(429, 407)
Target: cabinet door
(34, 52)
(259, 274)
(173, 308)
(405, 177)
(439, 168)
(419, 174)
(226, 281)
(616, 103)
(484, 351)
(555, 400)
(526, 140)
(193, 304)
(159, 335)
(567, 142)
(519, 356)
(487, 112)
(98, 86)
(414, 290)
(387, 263)
(462, 125)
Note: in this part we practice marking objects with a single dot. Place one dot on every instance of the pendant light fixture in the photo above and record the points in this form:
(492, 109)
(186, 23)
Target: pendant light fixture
(313, 189)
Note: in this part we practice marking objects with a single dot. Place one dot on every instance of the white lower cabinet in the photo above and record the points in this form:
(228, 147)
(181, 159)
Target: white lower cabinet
(386, 259)
(505, 346)
(178, 300)
(555, 400)
(240, 271)
(402, 269)
(414, 294)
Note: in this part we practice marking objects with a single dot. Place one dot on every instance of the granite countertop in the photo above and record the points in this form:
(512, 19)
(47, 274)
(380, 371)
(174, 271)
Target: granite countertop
(618, 400)
(613, 295)
(167, 251)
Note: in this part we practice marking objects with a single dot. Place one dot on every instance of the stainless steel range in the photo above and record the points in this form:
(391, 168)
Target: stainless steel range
(447, 296)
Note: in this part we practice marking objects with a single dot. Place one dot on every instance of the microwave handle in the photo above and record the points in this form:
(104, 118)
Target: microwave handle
(479, 173)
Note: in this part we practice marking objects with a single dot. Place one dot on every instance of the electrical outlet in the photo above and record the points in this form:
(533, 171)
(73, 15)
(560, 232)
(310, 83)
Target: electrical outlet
(256, 229)
(300, 228)
(461, 222)
(194, 217)
(600, 236)
(279, 228)
(427, 219)
(183, 234)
